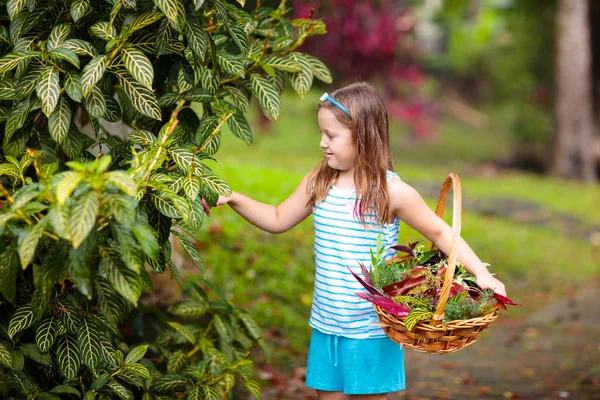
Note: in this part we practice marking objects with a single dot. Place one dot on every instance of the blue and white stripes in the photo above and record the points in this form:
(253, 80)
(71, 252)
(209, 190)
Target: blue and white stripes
(340, 241)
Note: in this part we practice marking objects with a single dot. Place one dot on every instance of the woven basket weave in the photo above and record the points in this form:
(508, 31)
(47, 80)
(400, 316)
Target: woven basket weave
(431, 336)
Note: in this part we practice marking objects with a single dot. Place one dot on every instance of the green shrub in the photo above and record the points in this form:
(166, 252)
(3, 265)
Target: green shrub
(85, 211)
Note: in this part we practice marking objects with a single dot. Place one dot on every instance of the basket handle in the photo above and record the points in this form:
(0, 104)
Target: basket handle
(451, 180)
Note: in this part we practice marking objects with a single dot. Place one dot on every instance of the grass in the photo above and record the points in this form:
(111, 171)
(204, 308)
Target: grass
(272, 275)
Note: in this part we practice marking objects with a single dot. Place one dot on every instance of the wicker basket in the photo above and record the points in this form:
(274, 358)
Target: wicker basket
(431, 336)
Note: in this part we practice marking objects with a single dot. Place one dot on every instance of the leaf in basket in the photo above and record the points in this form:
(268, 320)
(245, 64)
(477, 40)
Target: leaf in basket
(505, 300)
(415, 315)
(385, 303)
(366, 274)
(402, 287)
(418, 271)
(456, 288)
(370, 288)
(459, 297)
(405, 249)
(427, 255)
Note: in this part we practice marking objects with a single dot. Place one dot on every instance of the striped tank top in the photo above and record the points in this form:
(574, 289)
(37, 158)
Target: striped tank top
(340, 242)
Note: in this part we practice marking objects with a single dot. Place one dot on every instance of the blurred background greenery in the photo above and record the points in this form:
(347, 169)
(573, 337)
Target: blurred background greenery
(474, 87)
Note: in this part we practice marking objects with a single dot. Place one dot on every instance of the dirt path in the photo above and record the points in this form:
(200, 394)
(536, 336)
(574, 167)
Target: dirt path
(553, 354)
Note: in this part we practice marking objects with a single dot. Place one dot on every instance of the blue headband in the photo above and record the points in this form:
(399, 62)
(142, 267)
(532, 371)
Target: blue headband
(335, 103)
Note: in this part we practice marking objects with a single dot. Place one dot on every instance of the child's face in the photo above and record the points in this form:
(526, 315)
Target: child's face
(337, 141)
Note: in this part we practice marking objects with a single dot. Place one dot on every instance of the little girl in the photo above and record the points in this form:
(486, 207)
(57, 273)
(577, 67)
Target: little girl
(354, 196)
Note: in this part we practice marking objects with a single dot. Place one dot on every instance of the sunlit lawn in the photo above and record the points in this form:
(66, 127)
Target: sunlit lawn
(272, 275)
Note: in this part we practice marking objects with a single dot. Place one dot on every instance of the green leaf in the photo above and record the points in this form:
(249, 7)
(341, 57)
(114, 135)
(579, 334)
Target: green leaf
(65, 389)
(67, 356)
(60, 121)
(138, 66)
(59, 34)
(189, 308)
(139, 370)
(239, 37)
(240, 127)
(191, 186)
(267, 96)
(79, 8)
(113, 110)
(168, 383)
(104, 30)
(171, 8)
(239, 97)
(142, 137)
(67, 185)
(83, 217)
(21, 320)
(31, 351)
(319, 69)
(136, 354)
(88, 341)
(191, 250)
(231, 64)
(184, 158)
(72, 83)
(253, 387)
(142, 99)
(184, 331)
(92, 73)
(123, 181)
(177, 361)
(165, 205)
(144, 20)
(147, 239)
(80, 47)
(302, 81)
(415, 315)
(14, 7)
(216, 184)
(197, 38)
(79, 265)
(100, 381)
(48, 89)
(283, 64)
(5, 358)
(29, 244)
(9, 269)
(95, 103)
(124, 280)
(65, 54)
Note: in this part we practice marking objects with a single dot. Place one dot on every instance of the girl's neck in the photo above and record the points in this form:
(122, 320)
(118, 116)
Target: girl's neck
(345, 180)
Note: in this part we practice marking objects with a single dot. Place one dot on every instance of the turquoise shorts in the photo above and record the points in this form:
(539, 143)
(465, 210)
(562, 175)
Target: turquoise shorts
(354, 366)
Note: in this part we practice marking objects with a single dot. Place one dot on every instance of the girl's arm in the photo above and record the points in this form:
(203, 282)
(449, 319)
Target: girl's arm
(409, 206)
(273, 219)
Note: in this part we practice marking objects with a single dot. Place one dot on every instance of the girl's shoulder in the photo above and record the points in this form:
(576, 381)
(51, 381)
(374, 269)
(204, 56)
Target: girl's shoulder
(392, 174)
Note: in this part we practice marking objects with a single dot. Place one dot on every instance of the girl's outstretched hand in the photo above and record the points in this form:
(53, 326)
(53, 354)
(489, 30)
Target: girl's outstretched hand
(487, 281)
(223, 200)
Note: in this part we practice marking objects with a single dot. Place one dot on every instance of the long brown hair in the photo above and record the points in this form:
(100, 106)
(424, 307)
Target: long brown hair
(369, 127)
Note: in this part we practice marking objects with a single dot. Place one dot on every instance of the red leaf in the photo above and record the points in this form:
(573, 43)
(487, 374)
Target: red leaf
(386, 304)
(399, 288)
(505, 300)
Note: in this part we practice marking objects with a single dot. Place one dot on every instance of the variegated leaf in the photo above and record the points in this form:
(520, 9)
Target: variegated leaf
(72, 84)
(142, 20)
(240, 127)
(67, 356)
(267, 96)
(80, 47)
(79, 8)
(48, 89)
(59, 34)
(142, 99)
(92, 73)
(60, 121)
(104, 30)
(138, 66)
(83, 217)
(95, 103)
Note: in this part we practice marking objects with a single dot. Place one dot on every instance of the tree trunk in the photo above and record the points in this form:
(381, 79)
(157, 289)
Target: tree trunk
(573, 136)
